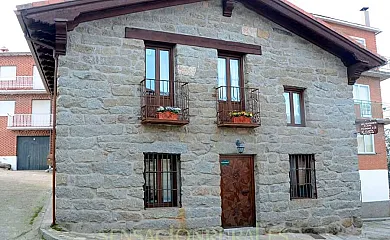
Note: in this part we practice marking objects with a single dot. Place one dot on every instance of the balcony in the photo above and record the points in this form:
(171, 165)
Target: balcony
(233, 100)
(368, 110)
(21, 84)
(30, 121)
(164, 94)
(386, 68)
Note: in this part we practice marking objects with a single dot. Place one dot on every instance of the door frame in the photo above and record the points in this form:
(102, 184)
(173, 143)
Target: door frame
(253, 187)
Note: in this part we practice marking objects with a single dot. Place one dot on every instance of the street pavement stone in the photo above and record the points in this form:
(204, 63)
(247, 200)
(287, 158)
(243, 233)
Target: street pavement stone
(371, 231)
(21, 194)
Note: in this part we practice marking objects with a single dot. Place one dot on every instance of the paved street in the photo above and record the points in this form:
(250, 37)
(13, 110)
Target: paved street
(23, 194)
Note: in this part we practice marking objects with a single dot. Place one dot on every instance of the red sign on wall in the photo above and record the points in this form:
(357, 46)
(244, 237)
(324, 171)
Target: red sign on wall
(368, 128)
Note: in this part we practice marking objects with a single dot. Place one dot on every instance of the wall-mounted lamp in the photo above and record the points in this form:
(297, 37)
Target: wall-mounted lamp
(240, 146)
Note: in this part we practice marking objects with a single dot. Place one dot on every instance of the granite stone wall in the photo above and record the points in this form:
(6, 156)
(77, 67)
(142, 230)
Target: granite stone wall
(100, 140)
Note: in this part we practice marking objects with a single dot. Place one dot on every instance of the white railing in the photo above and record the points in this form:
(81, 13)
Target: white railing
(30, 121)
(386, 68)
(17, 83)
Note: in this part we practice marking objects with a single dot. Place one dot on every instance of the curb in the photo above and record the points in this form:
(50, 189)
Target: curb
(376, 219)
(46, 222)
(47, 235)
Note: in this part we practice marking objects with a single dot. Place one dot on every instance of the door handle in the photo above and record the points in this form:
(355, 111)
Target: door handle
(244, 192)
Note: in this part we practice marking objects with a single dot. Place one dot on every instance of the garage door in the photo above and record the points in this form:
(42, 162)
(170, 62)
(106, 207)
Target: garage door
(32, 153)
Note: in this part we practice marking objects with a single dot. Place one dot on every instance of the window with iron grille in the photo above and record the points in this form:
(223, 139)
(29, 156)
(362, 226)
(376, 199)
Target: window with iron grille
(302, 176)
(162, 174)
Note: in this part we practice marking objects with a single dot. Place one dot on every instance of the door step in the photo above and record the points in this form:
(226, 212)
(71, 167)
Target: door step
(244, 231)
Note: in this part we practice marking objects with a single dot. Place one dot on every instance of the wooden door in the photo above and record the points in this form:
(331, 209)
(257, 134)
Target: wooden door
(237, 191)
(32, 153)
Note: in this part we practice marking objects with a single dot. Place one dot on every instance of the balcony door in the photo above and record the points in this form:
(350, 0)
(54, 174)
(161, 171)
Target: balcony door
(361, 96)
(37, 81)
(159, 78)
(41, 110)
(230, 86)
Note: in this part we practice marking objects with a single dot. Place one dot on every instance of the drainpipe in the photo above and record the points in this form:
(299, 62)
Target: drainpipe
(53, 137)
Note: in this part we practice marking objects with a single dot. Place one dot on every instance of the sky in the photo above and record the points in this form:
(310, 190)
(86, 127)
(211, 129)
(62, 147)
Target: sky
(11, 34)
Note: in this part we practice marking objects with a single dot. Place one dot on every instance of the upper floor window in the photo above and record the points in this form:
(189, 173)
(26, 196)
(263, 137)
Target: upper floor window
(7, 73)
(360, 40)
(159, 72)
(361, 96)
(237, 105)
(7, 108)
(294, 101)
(302, 176)
(365, 144)
(162, 175)
(163, 100)
(229, 78)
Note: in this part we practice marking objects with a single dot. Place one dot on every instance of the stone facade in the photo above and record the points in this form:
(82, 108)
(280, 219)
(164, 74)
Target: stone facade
(100, 140)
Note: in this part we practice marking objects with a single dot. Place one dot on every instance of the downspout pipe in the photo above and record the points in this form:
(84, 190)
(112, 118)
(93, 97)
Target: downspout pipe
(53, 137)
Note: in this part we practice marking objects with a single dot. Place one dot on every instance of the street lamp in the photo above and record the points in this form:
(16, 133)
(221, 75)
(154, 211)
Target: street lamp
(240, 146)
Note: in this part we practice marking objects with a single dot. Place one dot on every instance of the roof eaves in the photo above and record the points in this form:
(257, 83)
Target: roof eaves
(355, 57)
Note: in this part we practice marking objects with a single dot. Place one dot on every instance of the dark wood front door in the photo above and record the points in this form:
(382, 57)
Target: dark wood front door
(237, 191)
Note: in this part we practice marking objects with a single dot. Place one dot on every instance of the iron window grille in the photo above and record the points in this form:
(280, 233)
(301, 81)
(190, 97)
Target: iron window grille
(302, 176)
(162, 185)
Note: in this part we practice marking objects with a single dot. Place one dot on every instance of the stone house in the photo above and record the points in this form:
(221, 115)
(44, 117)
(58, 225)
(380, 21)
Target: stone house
(258, 77)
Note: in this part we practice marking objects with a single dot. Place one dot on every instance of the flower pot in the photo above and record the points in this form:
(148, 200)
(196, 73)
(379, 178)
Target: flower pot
(167, 115)
(241, 119)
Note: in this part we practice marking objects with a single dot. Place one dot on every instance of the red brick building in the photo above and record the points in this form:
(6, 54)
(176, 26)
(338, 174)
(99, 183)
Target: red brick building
(25, 113)
(369, 106)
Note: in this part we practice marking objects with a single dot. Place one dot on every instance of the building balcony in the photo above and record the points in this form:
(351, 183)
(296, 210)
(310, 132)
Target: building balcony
(30, 122)
(386, 68)
(164, 102)
(368, 110)
(232, 102)
(21, 84)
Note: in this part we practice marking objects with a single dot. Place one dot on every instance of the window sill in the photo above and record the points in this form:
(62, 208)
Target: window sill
(366, 153)
(302, 199)
(290, 125)
(159, 207)
(164, 121)
(239, 125)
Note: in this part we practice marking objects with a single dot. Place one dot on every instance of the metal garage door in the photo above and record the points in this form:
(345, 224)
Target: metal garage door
(32, 153)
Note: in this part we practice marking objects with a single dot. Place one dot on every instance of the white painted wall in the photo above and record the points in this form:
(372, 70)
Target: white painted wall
(10, 160)
(374, 185)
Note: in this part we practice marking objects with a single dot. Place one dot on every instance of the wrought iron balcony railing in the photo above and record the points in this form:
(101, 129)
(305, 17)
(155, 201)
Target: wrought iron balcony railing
(371, 110)
(232, 102)
(168, 94)
(30, 121)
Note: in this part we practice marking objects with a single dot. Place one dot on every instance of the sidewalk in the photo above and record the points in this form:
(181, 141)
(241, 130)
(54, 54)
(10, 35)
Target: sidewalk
(372, 230)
